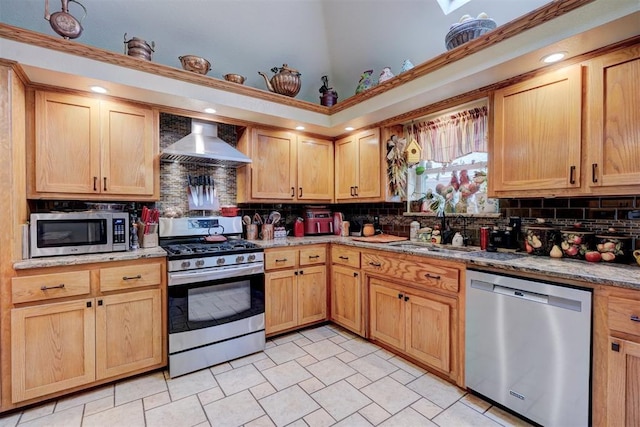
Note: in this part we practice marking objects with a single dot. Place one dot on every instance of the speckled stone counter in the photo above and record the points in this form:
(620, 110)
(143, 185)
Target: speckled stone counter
(627, 276)
(57, 261)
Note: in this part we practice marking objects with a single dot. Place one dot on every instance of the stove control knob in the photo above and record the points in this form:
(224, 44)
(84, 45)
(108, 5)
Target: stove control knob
(185, 264)
(199, 263)
(220, 261)
(240, 259)
(251, 258)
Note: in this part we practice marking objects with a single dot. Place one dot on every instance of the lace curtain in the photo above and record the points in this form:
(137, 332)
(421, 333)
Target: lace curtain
(451, 136)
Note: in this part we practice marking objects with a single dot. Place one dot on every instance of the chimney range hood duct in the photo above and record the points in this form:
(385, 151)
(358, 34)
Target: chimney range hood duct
(202, 146)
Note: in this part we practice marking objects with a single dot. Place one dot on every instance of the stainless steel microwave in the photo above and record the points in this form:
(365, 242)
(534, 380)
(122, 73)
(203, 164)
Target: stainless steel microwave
(77, 233)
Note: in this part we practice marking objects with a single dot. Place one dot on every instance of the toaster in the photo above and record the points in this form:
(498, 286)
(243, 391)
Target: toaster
(317, 221)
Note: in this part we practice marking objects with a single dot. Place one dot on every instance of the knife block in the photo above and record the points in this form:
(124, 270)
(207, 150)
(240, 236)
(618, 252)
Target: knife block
(149, 240)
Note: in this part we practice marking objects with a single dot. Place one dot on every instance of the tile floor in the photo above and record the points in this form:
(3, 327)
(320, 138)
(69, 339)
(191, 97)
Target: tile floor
(317, 377)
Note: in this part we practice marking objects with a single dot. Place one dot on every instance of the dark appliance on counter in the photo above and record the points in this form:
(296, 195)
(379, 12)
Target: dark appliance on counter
(317, 220)
(507, 238)
(76, 233)
(215, 292)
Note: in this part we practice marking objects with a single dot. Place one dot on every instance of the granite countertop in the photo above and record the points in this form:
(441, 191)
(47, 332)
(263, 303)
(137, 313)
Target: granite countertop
(621, 275)
(56, 261)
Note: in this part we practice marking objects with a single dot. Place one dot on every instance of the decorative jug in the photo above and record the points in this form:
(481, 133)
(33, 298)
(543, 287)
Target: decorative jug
(385, 75)
(365, 82)
(286, 81)
(63, 22)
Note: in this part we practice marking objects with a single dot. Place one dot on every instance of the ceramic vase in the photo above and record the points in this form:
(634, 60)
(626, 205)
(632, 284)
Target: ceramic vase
(385, 75)
(406, 66)
(328, 98)
(365, 82)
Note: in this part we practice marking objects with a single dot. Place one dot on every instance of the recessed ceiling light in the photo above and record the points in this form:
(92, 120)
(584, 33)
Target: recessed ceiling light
(348, 128)
(98, 89)
(210, 110)
(554, 57)
(299, 127)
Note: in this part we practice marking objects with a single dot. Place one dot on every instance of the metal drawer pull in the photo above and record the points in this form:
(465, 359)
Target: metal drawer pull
(105, 183)
(634, 318)
(44, 288)
(594, 172)
(572, 172)
(314, 256)
(399, 296)
(432, 276)
(281, 260)
(406, 299)
(95, 183)
(293, 192)
(343, 257)
(139, 276)
(375, 264)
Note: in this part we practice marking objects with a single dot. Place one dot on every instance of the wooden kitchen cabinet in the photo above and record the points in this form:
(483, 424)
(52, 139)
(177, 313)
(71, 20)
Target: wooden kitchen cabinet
(346, 289)
(359, 167)
(536, 145)
(295, 287)
(68, 332)
(92, 148)
(285, 167)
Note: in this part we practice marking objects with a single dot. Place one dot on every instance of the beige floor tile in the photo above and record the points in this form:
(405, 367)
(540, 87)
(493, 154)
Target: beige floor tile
(10, 420)
(311, 385)
(390, 394)
(358, 380)
(210, 395)
(338, 339)
(427, 408)
(331, 370)
(262, 390)
(263, 421)
(359, 347)
(282, 339)
(269, 344)
(239, 379)
(504, 418)
(384, 354)
(438, 391)
(128, 415)
(288, 405)
(156, 400)
(460, 415)
(373, 367)
(252, 358)
(302, 342)
(204, 424)
(99, 405)
(190, 384)
(475, 402)
(341, 399)
(407, 366)
(84, 397)
(38, 411)
(263, 364)
(220, 368)
(306, 360)
(323, 349)
(374, 413)
(354, 420)
(347, 356)
(186, 412)
(298, 423)
(71, 417)
(139, 387)
(403, 377)
(285, 352)
(319, 333)
(319, 418)
(234, 410)
(407, 417)
(286, 375)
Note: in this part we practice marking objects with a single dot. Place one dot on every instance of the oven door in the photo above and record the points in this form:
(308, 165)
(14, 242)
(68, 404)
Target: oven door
(213, 310)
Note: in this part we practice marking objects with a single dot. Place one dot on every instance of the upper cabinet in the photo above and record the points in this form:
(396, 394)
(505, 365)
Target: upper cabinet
(612, 123)
(570, 132)
(94, 149)
(359, 168)
(285, 167)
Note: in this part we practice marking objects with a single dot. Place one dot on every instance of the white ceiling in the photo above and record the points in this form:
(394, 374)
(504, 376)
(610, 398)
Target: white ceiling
(338, 38)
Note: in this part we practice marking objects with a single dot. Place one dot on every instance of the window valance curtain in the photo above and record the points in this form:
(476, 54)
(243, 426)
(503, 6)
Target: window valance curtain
(452, 135)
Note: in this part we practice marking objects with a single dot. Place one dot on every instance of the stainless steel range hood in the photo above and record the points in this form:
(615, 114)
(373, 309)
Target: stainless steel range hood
(202, 146)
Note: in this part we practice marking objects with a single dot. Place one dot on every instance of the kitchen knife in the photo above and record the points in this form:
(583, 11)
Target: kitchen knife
(207, 184)
(200, 199)
(211, 188)
(193, 190)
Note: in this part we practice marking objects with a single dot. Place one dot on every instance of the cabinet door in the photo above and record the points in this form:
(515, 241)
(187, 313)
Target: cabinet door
(128, 151)
(428, 331)
(346, 298)
(369, 164)
(623, 388)
(52, 348)
(273, 167)
(128, 332)
(613, 122)
(386, 314)
(67, 143)
(346, 172)
(537, 139)
(312, 294)
(281, 307)
(315, 169)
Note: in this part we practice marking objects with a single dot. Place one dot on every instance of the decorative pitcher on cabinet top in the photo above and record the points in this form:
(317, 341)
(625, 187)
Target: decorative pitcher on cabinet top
(365, 81)
(286, 81)
(63, 22)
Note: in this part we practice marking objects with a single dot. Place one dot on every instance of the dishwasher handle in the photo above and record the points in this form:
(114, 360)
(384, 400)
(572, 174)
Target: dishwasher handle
(519, 293)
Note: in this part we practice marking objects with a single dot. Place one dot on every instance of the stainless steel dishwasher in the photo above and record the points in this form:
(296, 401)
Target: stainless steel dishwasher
(528, 347)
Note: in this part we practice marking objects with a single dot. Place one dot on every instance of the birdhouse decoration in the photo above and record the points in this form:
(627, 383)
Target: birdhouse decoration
(414, 151)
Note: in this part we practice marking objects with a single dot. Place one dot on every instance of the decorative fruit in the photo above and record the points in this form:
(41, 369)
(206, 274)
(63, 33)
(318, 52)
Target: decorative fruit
(528, 247)
(593, 256)
(420, 170)
(535, 242)
(572, 251)
(556, 252)
(608, 256)
(609, 246)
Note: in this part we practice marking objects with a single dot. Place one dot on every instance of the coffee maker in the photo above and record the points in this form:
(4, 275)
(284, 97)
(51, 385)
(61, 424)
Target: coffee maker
(509, 238)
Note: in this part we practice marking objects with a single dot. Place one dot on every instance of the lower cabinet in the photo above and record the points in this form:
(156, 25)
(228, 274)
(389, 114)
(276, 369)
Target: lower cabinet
(60, 345)
(623, 386)
(346, 289)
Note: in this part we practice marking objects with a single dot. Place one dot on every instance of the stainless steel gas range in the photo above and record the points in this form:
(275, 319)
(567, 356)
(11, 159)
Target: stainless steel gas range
(215, 292)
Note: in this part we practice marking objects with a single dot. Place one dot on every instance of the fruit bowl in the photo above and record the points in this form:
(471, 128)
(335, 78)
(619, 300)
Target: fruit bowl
(468, 30)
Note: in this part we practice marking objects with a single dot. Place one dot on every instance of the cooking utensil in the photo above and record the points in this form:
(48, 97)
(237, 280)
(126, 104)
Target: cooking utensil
(195, 64)
(246, 220)
(211, 188)
(274, 217)
(63, 22)
(257, 218)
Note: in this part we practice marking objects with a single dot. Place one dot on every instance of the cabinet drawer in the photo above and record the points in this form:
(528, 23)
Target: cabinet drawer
(345, 256)
(313, 255)
(624, 315)
(280, 258)
(133, 276)
(50, 286)
(418, 273)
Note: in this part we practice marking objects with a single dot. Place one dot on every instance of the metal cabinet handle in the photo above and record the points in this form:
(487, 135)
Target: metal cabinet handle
(356, 193)
(634, 318)
(399, 296)
(355, 274)
(301, 272)
(139, 276)
(105, 183)
(44, 288)
(293, 192)
(100, 302)
(88, 304)
(406, 298)
(343, 257)
(281, 260)
(572, 172)
(375, 264)
(95, 183)
(299, 191)
(295, 273)
(594, 172)
(432, 276)
(352, 191)
(314, 256)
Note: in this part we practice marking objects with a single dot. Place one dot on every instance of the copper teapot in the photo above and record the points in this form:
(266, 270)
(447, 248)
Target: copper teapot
(63, 22)
(285, 82)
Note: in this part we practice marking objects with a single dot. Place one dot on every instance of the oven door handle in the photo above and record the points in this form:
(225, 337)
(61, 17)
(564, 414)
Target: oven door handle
(216, 273)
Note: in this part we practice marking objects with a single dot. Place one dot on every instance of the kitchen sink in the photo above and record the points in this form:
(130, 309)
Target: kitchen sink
(430, 247)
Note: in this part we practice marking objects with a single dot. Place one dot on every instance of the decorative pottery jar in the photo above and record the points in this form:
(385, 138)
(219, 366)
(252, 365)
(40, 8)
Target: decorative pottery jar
(365, 82)
(385, 75)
